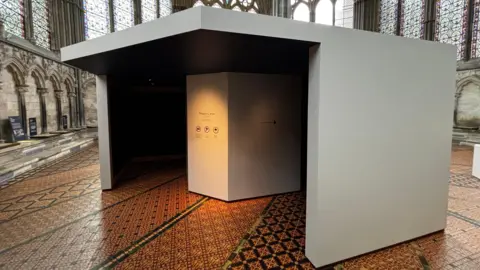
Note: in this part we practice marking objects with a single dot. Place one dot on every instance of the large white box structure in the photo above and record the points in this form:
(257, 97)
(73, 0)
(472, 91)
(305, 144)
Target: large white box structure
(379, 115)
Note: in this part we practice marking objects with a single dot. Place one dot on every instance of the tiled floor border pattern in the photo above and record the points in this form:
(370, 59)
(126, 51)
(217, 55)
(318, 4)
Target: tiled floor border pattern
(137, 245)
(242, 241)
(26, 175)
(337, 266)
(90, 214)
(20, 214)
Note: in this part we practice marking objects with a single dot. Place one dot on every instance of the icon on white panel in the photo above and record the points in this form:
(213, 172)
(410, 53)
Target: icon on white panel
(207, 129)
(215, 130)
(198, 129)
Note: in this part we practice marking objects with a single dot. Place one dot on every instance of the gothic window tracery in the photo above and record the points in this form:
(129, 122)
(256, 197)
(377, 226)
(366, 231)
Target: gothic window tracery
(323, 12)
(97, 22)
(412, 16)
(344, 13)
(475, 53)
(122, 14)
(149, 10)
(301, 12)
(165, 7)
(40, 23)
(451, 23)
(12, 12)
(389, 16)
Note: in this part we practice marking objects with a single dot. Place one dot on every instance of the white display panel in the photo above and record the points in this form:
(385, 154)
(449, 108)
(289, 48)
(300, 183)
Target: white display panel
(243, 135)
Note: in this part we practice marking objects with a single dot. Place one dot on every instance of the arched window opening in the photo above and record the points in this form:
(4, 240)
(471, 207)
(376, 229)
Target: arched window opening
(324, 12)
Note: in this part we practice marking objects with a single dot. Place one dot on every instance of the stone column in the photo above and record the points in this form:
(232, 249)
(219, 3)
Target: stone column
(281, 8)
(366, 15)
(71, 103)
(137, 12)
(58, 101)
(83, 119)
(42, 92)
(21, 90)
(430, 19)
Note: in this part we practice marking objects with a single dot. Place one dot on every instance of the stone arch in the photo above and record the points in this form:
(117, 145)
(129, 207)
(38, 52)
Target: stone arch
(55, 78)
(39, 75)
(88, 82)
(461, 84)
(69, 83)
(18, 70)
(89, 101)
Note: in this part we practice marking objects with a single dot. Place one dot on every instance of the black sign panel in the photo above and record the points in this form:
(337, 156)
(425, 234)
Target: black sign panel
(17, 129)
(65, 122)
(32, 123)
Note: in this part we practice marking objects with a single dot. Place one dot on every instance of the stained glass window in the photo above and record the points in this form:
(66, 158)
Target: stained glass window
(301, 13)
(216, 5)
(236, 8)
(41, 30)
(451, 23)
(388, 16)
(324, 12)
(165, 8)
(412, 16)
(97, 22)
(149, 10)
(344, 13)
(122, 14)
(11, 12)
(476, 29)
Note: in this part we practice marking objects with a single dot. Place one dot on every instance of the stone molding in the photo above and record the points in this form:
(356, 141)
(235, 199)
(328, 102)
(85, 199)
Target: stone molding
(58, 93)
(42, 91)
(22, 89)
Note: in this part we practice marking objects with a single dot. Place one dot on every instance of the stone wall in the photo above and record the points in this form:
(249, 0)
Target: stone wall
(467, 99)
(31, 84)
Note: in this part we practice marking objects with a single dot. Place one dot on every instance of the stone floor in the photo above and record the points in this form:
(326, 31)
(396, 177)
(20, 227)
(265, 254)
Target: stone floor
(56, 217)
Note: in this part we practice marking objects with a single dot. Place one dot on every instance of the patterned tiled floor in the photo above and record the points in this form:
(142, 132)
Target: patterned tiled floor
(277, 241)
(56, 217)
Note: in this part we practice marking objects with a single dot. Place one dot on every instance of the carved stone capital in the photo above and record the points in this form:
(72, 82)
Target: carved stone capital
(22, 89)
(71, 94)
(42, 91)
(58, 93)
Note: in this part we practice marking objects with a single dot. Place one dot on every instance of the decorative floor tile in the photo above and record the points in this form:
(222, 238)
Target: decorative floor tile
(202, 240)
(56, 217)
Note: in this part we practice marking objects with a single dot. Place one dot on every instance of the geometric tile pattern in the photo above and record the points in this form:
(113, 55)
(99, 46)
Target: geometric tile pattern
(202, 240)
(75, 160)
(28, 203)
(144, 240)
(278, 240)
(463, 180)
(272, 245)
(55, 217)
(86, 241)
